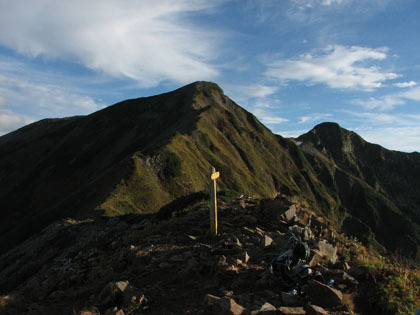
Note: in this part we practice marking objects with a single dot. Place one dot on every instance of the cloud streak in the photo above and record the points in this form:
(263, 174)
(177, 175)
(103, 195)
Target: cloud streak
(10, 121)
(147, 41)
(267, 117)
(389, 102)
(44, 100)
(402, 138)
(314, 117)
(339, 67)
(260, 91)
(405, 84)
(393, 131)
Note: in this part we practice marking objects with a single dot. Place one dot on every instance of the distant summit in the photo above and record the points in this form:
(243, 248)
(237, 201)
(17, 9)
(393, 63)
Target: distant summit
(139, 155)
(379, 188)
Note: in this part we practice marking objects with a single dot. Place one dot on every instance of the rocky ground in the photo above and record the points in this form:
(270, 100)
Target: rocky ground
(138, 264)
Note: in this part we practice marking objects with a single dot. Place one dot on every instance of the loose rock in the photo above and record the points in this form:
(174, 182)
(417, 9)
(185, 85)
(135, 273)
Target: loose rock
(224, 306)
(327, 250)
(323, 295)
(290, 214)
(315, 310)
(267, 241)
(289, 299)
(291, 310)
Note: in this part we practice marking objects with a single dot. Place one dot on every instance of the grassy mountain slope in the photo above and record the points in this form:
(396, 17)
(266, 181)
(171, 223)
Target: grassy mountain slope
(379, 188)
(250, 157)
(139, 155)
(58, 168)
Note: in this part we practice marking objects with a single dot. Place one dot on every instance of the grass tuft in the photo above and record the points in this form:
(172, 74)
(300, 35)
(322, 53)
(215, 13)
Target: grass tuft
(395, 285)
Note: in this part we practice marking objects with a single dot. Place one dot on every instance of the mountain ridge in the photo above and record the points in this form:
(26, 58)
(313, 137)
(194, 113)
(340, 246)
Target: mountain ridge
(121, 160)
(391, 175)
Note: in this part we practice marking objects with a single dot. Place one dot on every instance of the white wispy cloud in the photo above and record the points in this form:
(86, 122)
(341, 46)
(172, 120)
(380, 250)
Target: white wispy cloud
(386, 102)
(148, 41)
(401, 138)
(382, 118)
(2, 101)
(390, 101)
(337, 66)
(44, 100)
(330, 2)
(313, 117)
(268, 118)
(291, 133)
(411, 94)
(259, 90)
(405, 84)
(255, 91)
(10, 121)
(395, 131)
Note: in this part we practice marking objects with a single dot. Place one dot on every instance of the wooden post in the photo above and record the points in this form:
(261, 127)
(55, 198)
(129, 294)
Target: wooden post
(213, 200)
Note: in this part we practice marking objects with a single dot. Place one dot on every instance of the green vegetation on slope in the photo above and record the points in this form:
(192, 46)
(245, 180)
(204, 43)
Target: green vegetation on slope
(376, 188)
(141, 193)
(140, 155)
(250, 158)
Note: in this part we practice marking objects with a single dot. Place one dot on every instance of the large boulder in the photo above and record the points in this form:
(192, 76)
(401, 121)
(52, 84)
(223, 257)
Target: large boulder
(291, 310)
(315, 257)
(224, 305)
(290, 214)
(315, 310)
(290, 299)
(266, 309)
(327, 250)
(323, 295)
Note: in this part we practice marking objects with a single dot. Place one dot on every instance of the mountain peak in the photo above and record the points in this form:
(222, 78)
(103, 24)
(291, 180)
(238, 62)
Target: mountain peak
(327, 125)
(205, 87)
(330, 134)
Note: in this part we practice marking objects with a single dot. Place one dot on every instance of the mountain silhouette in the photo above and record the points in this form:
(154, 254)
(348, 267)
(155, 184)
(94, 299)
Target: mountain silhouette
(139, 155)
(379, 188)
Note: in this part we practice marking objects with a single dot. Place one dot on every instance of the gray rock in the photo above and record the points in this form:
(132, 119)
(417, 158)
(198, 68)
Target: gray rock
(266, 309)
(224, 306)
(244, 257)
(289, 299)
(234, 239)
(291, 310)
(315, 257)
(327, 250)
(323, 295)
(290, 214)
(315, 310)
(349, 279)
(267, 241)
(304, 233)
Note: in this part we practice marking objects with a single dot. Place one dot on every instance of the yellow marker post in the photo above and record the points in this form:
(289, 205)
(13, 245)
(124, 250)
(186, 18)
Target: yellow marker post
(213, 200)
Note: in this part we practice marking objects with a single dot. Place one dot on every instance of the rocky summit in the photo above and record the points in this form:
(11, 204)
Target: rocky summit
(143, 265)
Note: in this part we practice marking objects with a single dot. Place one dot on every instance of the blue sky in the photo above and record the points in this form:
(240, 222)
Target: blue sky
(293, 63)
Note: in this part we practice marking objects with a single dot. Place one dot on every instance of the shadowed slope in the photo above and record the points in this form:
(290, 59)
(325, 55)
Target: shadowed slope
(56, 168)
(139, 155)
(379, 188)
